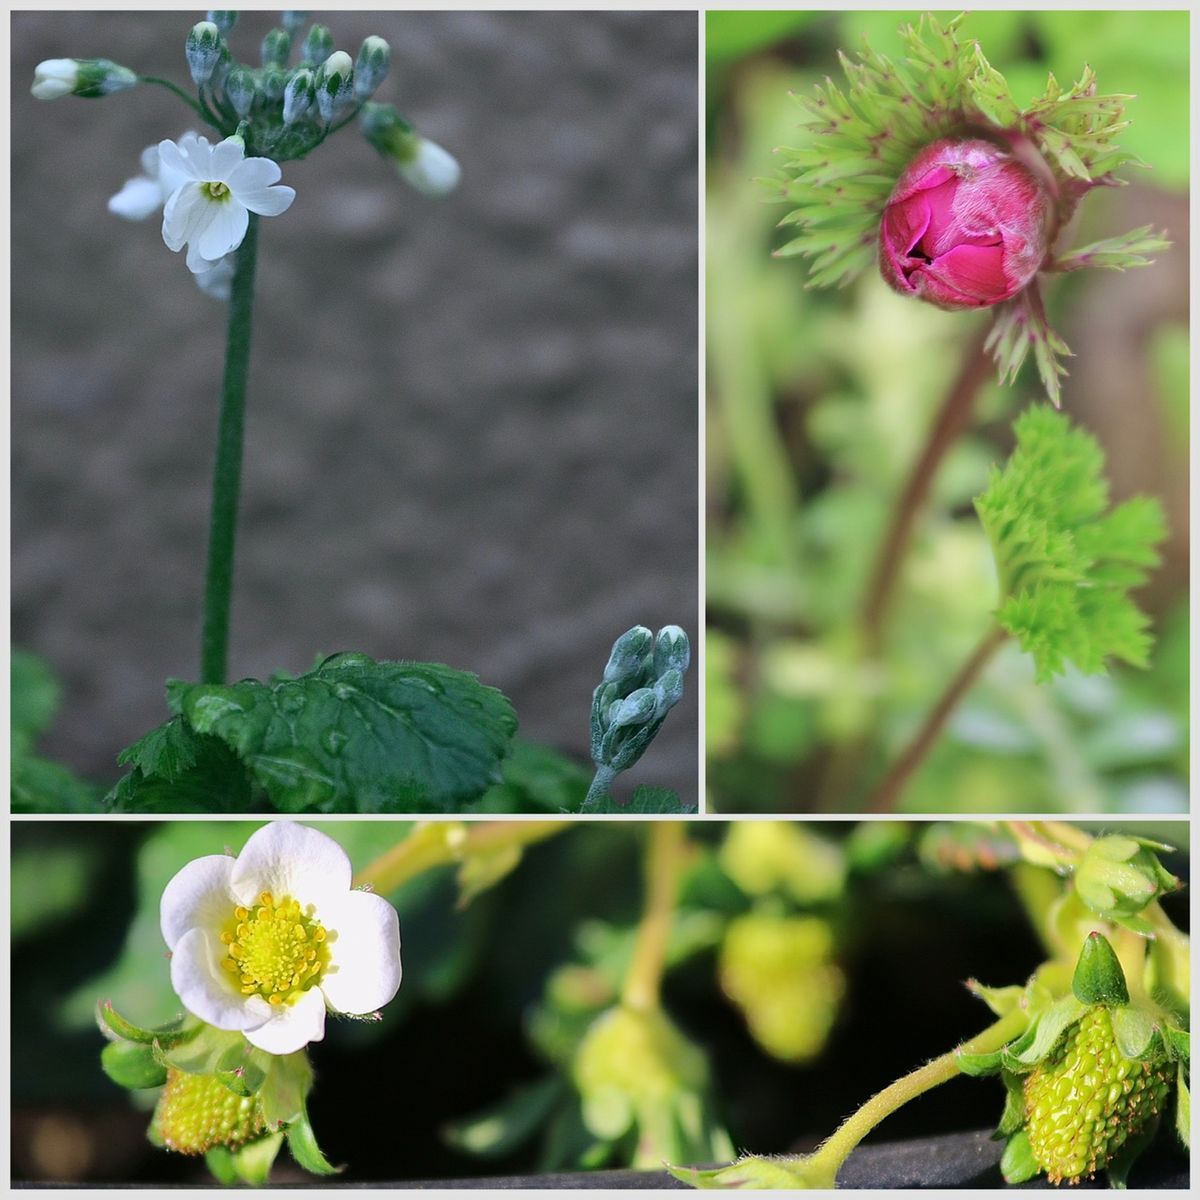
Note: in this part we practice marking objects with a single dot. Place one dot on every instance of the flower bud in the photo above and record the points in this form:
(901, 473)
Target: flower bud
(636, 709)
(668, 691)
(297, 96)
(274, 81)
(966, 226)
(333, 84)
(90, 78)
(318, 46)
(224, 21)
(672, 650)
(371, 68)
(240, 90)
(293, 22)
(203, 51)
(276, 47)
(421, 163)
(1119, 876)
(628, 655)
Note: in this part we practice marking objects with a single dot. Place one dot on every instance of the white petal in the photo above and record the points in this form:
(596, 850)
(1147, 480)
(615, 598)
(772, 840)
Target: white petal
(269, 202)
(178, 158)
(207, 990)
(217, 281)
(138, 199)
(364, 958)
(287, 859)
(186, 215)
(224, 159)
(254, 174)
(196, 262)
(292, 1026)
(225, 231)
(198, 896)
(149, 161)
(434, 171)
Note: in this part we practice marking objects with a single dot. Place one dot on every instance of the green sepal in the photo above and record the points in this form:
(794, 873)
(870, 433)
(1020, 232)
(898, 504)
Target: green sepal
(1001, 1000)
(977, 1065)
(755, 1172)
(1136, 1034)
(1041, 1037)
(285, 1090)
(302, 1143)
(173, 1033)
(1122, 1161)
(1183, 1108)
(132, 1065)
(1178, 1043)
(243, 1069)
(1017, 1164)
(201, 1052)
(1098, 976)
(1013, 1117)
(249, 1164)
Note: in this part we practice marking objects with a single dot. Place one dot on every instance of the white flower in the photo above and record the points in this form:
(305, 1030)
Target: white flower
(209, 211)
(55, 78)
(431, 169)
(217, 281)
(264, 943)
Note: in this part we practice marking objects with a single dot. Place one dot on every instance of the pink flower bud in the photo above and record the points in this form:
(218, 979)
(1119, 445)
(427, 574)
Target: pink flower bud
(966, 226)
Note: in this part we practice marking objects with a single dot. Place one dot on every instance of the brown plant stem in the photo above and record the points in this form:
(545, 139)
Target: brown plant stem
(887, 795)
(952, 419)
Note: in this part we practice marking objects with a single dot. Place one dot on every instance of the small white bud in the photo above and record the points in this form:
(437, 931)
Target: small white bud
(297, 96)
(432, 169)
(374, 59)
(203, 51)
(54, 78)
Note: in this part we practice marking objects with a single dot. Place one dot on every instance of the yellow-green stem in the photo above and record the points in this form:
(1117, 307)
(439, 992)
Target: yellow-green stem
(852, 1131)
(665, 856)
(442, 843)
(1038, 890)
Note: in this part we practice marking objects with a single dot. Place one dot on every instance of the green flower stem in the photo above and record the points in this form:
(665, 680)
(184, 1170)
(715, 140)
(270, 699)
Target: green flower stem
(949, 424)
(833, 1152)
(598, 789)
(227, 473)
(202, 113)
(665, 857)
(1039, 891)
(888, 794)
(442, 843)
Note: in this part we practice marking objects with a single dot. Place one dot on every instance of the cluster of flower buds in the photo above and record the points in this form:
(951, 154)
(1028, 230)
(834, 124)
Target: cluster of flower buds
(642, 682)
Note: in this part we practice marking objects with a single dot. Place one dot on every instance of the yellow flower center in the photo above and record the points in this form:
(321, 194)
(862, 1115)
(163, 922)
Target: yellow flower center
(215, 190)
(276, 949)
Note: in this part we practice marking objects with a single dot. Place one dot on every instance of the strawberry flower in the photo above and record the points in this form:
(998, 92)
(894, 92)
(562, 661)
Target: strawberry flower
(267, 942)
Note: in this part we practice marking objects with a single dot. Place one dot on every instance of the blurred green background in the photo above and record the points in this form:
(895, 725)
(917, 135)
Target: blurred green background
(811, 965)
(818, 402)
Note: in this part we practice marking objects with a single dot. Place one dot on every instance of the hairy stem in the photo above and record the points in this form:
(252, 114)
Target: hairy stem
(949, 424)
(441, 843)
(887, 795)
(227, 473)
(202, 113)
(895, 1095)
(598, 789)
(665, 857)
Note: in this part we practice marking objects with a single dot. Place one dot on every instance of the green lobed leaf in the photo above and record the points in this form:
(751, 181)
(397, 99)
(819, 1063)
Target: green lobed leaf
(214, 781)
(360, 735)
(645, 801)
(1064, 558)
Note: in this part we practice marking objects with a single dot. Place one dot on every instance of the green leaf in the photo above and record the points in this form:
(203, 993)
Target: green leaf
(1183, 1107)
(302, 1143)
(646, 801)
(165, 753)
(1020, 327)
(1065, 559)
(359, 735)
(537, 779)
(1115, 253)
(504, 1127)
(34, 696)
(42, 786)
(213, 781)
(131, 1065)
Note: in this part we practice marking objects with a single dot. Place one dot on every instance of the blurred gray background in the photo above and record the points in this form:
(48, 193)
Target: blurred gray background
(472, 426)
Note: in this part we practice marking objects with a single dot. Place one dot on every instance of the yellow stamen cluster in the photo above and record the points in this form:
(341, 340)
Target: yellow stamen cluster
(276, 949)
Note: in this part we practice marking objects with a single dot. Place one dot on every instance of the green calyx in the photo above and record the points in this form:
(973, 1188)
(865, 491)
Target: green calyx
(1088, 1079)
(221, 1097)
(1118, 877)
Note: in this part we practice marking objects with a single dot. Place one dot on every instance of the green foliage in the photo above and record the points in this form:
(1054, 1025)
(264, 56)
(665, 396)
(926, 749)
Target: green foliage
(39, 785)
(350, 735)
(1066, 561)
(645, 801)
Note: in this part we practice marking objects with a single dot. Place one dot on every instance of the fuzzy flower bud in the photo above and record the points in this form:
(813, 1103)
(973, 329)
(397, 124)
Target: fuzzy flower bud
(671, 650)
(203, 51)
(224, 21)
(293, 21)
(276, 47)
(421, 163)
(274, 81)
(371, 68)
(333, 84)
(297, 96)
(240, 90)
(87, 77)
(966, 226)
(318, 46)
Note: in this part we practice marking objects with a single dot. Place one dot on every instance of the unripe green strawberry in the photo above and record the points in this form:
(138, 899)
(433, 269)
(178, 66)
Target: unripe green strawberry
(197, 1112)
(1086, 1099)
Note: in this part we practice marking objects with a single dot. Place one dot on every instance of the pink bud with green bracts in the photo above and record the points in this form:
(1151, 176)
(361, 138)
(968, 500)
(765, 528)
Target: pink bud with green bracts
(966, 226)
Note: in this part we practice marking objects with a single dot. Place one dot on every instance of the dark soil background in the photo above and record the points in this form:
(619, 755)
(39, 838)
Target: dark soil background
(472, 428)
